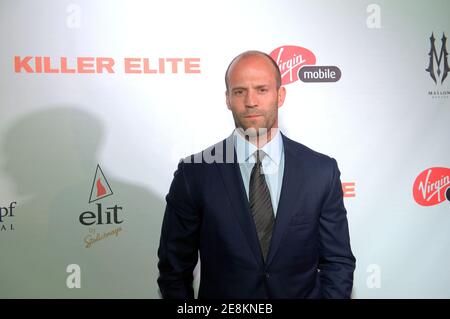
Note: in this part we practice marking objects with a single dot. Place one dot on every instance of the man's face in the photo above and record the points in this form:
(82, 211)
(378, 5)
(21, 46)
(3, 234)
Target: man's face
(252, 93)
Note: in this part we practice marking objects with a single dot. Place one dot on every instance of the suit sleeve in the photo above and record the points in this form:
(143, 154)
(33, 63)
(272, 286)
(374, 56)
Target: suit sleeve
(178, 248)
(336, 262)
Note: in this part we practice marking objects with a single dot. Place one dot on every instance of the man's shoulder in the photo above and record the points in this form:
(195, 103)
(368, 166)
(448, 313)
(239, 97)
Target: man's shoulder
(302, 151)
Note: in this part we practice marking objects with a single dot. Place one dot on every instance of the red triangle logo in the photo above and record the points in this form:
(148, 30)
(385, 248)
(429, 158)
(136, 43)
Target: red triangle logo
(100, 186)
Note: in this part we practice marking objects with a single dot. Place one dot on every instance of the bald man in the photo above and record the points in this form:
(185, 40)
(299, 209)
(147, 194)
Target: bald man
(264, 213)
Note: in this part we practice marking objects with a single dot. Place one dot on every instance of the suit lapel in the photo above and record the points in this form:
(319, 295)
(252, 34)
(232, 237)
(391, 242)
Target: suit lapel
(292, 180)
(234, 185)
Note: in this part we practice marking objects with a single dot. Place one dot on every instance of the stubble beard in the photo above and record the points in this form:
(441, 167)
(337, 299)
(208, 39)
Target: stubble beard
(258, 135)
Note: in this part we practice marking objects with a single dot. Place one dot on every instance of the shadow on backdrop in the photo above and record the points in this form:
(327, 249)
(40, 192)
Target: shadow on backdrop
(51, 158)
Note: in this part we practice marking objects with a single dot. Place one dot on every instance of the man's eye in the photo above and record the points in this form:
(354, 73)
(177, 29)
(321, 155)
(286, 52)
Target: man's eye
(263, 90)
(238, 92)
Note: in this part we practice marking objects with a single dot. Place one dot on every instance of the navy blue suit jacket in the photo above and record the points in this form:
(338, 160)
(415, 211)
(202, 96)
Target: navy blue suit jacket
(208, 212)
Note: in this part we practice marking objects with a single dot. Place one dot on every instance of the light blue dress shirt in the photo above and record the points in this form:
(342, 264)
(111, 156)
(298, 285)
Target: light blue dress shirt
(272, 163)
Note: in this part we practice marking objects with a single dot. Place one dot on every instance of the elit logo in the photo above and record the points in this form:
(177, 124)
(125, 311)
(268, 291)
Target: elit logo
(432, 186)
(441, 61)
(6, 215)
(100, 187)
(297, 63)
(290, 59)
(100, 216)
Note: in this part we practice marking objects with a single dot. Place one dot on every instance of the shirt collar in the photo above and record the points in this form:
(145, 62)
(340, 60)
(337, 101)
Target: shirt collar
(245, 149)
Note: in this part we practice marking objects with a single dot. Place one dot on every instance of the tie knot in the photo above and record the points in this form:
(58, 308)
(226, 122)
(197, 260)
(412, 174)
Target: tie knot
(259, 156)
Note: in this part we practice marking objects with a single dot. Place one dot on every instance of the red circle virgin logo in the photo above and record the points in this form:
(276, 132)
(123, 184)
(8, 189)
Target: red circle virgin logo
(431, 185)
(290, 59)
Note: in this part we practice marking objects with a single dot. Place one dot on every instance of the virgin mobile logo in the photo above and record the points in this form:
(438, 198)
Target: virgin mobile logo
(432, 186)
(290, 59)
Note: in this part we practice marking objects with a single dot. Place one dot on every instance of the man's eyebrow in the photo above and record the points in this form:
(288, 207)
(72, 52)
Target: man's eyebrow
(238, 88)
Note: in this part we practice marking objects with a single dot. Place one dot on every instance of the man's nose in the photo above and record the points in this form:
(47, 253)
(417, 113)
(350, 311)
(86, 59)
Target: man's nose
(250, 99)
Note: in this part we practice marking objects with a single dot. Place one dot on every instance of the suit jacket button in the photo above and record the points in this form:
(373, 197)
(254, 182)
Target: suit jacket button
(267, 275)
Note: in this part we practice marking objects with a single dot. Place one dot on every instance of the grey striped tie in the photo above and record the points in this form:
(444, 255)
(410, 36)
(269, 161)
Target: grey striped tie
(261, 205)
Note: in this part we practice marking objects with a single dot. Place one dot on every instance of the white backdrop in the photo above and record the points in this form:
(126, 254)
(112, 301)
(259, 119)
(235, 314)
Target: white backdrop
(385, 121)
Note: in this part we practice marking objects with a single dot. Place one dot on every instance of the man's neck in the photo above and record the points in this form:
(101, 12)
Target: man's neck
(260, 139)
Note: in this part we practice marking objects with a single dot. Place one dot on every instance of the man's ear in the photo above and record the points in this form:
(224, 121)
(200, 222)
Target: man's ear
(227, 100)
(281, 95)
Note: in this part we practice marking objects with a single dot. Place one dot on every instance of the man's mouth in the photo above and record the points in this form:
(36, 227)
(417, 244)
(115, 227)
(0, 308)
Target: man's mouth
(252, 116)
